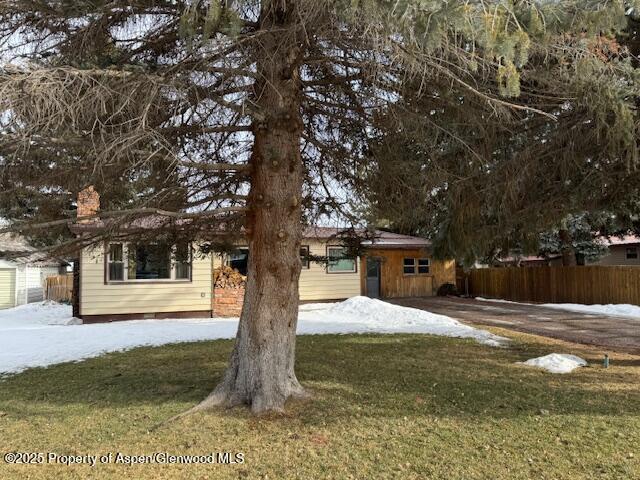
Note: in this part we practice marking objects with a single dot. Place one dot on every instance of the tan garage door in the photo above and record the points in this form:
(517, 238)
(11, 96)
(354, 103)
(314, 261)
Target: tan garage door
(7, 288)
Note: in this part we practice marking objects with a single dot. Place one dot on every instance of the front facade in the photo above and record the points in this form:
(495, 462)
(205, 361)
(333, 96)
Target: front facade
(123, 281)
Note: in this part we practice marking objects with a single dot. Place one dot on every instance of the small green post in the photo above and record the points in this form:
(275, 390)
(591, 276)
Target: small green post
(605, 363)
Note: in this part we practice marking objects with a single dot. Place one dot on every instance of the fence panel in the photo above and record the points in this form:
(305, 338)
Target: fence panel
(588, 284)
(59, 288)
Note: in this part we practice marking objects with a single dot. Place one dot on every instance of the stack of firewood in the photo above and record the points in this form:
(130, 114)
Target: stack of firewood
(227, 277)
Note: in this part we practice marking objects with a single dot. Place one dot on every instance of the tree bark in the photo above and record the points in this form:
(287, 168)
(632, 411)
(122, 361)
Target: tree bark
(261, 368)
(566, 248)
(75, 290)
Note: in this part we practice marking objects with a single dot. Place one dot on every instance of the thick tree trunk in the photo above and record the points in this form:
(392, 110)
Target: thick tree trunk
(75, 291)
(261, 369)
(566, 248)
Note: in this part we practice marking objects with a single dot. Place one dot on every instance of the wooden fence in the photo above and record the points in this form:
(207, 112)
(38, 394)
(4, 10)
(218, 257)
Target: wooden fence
(588, 284)
(59, 288)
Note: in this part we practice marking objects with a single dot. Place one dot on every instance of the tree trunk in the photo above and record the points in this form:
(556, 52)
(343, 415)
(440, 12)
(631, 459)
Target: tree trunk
(566, 248)
(75, 289)
(261, 369)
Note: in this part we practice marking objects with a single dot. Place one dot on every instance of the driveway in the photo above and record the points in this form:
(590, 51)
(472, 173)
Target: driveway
(609, 332)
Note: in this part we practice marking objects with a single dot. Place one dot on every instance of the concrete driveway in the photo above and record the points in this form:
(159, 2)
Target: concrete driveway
(611, 333)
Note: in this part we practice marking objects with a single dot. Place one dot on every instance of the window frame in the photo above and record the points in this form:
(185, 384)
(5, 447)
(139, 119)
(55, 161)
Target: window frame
(227, 258)
(634, 254)
(306, 266)
(109, 262)
(144, 281)
(423, 259)
(342, 247)
(416, 266)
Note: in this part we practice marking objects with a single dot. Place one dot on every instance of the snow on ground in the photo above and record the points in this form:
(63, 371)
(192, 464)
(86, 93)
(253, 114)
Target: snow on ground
(41, 334)
(612, 309)
(557, 362)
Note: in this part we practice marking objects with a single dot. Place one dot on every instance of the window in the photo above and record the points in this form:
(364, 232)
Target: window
(304, 256)
(149, 262)
(183, 261)
(423, 265)
(411, 266)
(140, 262)
(115, 262)
(339, 261)
(632, 253)
(239, 260)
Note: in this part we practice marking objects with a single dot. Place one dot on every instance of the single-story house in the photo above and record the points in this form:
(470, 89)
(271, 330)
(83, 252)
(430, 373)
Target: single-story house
(23, 271)
(120, 280)
(622, 251)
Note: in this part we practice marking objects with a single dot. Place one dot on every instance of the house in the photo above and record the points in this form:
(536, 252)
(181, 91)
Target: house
(622, 251)
(23, 271)
(121, 280)
(529, 261)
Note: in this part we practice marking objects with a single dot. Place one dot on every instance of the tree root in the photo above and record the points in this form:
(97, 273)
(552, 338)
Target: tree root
(224, 398)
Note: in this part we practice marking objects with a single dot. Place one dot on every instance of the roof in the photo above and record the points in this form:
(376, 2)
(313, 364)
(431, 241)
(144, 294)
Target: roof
(384, 239)
(528, 258)
(375, 238)
(381, 239)
(622, 240)
(16, 249)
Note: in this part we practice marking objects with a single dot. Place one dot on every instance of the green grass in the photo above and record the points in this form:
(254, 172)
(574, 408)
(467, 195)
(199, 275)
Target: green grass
(404, 406)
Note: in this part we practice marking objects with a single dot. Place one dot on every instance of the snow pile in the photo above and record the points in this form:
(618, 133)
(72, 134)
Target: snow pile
(34, 315)
(367, 315)
(557, 362)
(37, 335)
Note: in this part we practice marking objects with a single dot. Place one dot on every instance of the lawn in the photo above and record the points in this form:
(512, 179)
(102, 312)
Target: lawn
(395, 406)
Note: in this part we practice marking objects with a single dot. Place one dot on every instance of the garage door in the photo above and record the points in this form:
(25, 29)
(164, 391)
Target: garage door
(7, 288)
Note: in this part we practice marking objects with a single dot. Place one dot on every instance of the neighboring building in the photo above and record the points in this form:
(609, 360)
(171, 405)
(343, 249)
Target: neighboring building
(23, 272)
(622, 251)
(529, 261)
(120, 280)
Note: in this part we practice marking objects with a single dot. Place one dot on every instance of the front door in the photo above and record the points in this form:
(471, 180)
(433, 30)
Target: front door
(373, 277)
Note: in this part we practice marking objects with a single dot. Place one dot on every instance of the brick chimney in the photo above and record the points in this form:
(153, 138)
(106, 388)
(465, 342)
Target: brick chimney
(88, 204)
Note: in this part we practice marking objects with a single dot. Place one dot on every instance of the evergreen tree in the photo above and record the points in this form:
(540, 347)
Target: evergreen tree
(261, 113)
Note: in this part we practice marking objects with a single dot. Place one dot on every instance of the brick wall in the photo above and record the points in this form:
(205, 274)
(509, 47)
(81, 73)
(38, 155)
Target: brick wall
(227, 302)
(88, 204)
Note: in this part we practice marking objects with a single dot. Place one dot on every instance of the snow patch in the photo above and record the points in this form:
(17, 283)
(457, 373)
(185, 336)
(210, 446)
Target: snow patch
(557, 362)
(612, 309)
(41, 334)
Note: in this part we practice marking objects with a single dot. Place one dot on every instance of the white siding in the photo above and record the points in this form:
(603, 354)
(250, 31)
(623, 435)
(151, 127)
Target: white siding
(7, 287)
(317, 284)
(30, 281)
(132, 298)
(21, 284)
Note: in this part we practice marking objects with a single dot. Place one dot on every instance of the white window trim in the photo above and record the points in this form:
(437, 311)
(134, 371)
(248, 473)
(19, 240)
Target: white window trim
(416, 266)
(428, 265)
(125, 262)
(355, 261)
